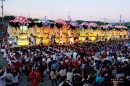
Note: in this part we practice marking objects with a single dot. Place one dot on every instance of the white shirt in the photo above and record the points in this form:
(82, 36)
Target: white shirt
(119, 58)
(9, 76)
(62, 72)
(1, 79)
(69, 76)
(122, 58)
(107, 52)
(48, 60)
(95, 58)
(74, 55)
(119, 75)
(107, 58)
(54, 57)
(2, 50)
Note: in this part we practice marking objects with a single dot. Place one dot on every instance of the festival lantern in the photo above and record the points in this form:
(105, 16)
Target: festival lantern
(38, 23)
(60, 23)
(21, 20)
(118, 27)
(45, 22)
(93, 26)
(30, 25)
(84, 25)
(73, 25)
(106, 27)
(109, 26)
(18, 21)
(102, 27)
(51, 25)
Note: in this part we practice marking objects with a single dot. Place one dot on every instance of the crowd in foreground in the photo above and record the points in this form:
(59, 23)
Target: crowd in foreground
(81, 64)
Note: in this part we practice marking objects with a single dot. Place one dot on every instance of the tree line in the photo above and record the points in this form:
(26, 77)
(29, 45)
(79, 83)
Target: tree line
(11, 17)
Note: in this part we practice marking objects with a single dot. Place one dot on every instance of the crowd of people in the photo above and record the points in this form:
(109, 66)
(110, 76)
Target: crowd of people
(104, 63)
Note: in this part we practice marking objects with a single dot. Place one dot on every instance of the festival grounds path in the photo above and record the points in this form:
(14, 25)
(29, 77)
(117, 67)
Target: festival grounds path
(23, 79)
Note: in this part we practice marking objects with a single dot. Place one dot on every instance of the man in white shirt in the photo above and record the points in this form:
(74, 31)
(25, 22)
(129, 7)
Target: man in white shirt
(8, 78)
(69, 75)
(74, 55)
(62, 73)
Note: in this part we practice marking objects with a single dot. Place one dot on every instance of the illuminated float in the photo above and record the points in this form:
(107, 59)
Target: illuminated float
(25, 33)
(84, 32)
(73, 32)
(121, 32)
(60, 29)
(19, 31)
(106, 32)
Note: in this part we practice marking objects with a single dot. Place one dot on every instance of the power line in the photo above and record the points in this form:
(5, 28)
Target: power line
(18, 4)
(11, 12)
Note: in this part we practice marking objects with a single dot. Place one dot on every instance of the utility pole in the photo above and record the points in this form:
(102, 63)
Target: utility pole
(29, 14)
(120, 19)
(91, 18)
(2, 20)
(105, 20)
(123, 22)
(69, 16)
(2, 11)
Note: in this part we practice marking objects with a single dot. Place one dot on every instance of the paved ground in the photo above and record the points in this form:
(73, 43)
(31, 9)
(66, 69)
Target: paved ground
(24, 82)
(3, 62)
(23, 79)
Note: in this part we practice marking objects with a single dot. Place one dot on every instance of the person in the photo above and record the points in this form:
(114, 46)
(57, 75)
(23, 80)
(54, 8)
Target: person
(52, 39)
(64, 82)
(62, 73)
(77, 78)
(69, 75)
(9, 78)
(74, 55)
(2, 50)
(40, 42)
(53, 75)
(61, 40)
(31, 40)
(115, 83)
(34, 77)
(15, 70)
(2, 75)
(28, 68)
(15, 43)
(119, 74)
(88, 80)
(42, 68)
(98, 79)
(86, 39)
(66, 38)
(78, 64)
(34, 40)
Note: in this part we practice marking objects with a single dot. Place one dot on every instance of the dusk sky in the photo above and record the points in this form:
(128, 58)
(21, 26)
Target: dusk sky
(95, 10)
